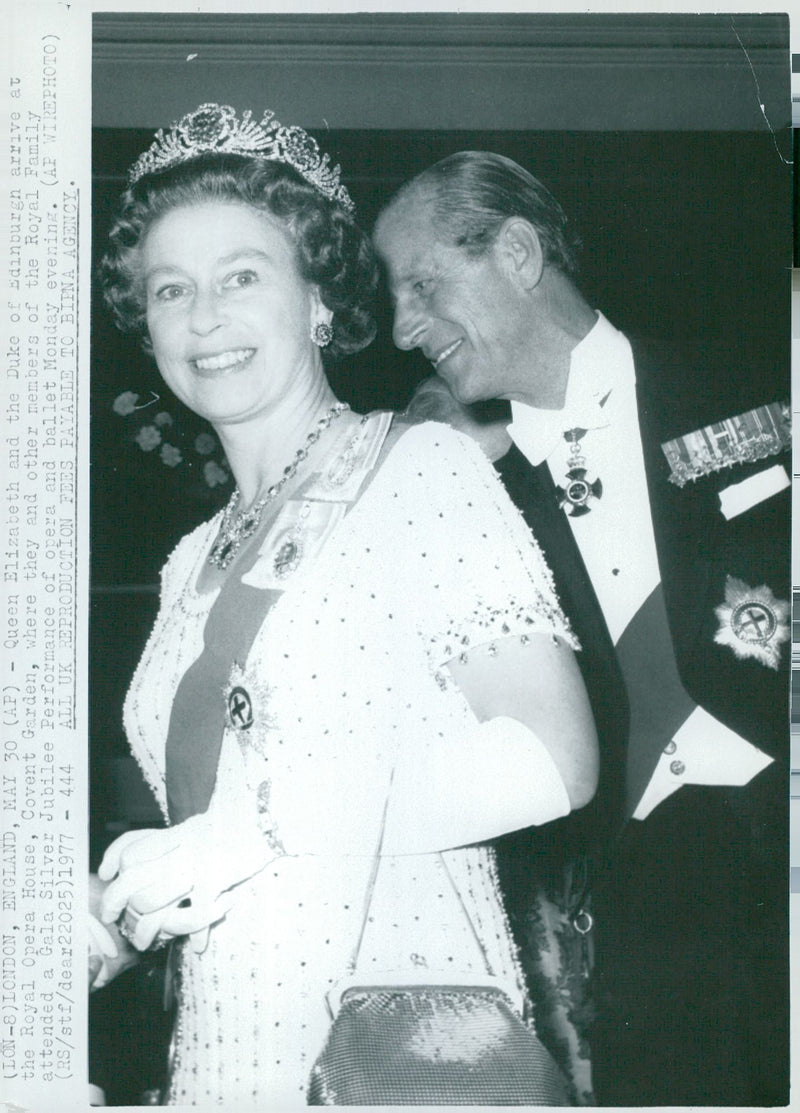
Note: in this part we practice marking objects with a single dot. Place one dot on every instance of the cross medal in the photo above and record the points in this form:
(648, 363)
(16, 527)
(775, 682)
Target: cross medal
(579, 492)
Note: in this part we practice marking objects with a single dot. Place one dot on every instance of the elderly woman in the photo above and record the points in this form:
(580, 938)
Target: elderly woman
(359, 663)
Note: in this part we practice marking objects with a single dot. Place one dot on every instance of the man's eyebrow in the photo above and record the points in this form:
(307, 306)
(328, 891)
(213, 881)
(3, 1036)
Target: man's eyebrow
(413, 272)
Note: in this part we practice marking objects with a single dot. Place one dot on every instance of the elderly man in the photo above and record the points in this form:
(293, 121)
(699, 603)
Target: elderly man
(664, 513)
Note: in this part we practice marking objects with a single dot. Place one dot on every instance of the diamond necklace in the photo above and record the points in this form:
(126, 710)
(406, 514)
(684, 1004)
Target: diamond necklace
(234, 531)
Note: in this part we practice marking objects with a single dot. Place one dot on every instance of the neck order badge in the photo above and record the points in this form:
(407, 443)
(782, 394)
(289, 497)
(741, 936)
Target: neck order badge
(579, 491)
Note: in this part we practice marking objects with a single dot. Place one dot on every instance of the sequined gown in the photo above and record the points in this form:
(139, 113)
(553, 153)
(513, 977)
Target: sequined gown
(347, 668)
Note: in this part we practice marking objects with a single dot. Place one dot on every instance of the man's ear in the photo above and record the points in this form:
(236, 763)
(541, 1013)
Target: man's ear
(520, 248)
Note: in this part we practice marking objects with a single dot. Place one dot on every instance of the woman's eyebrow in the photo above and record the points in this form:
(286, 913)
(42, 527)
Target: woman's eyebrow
(162, 268)
(223, 261)
(246, 253)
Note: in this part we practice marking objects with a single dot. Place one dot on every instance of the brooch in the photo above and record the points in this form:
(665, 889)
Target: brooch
(752, 622)
(247, 708)
(266, 823)
(293, 543)
(351, 462)
(755, 435)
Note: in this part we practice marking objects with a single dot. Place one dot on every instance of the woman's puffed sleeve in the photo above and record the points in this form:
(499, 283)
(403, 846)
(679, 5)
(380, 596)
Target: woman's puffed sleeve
(486, 576)
(482, 580)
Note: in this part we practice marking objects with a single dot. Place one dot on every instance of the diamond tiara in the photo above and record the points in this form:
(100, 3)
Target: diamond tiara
(215, 128)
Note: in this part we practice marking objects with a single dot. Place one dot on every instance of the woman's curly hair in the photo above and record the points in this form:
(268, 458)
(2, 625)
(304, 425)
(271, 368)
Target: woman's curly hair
(332, 251)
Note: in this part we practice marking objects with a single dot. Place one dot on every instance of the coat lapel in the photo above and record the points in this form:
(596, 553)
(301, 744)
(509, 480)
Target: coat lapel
(533, 491)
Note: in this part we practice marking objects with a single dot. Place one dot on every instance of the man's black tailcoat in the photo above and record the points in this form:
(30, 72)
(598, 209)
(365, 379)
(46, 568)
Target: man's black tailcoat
(692, 916)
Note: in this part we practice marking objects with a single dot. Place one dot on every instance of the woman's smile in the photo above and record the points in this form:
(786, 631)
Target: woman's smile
(225, 361)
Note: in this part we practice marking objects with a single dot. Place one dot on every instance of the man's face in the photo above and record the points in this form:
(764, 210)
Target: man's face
(463, 313)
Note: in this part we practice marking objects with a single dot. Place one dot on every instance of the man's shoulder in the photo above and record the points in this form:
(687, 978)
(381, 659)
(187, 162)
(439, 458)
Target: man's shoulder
(702, 384)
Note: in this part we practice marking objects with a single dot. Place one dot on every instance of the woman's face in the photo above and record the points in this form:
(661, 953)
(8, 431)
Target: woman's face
(229, 315)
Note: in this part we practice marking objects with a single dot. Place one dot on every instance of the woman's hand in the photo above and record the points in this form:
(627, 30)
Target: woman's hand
(172, 881)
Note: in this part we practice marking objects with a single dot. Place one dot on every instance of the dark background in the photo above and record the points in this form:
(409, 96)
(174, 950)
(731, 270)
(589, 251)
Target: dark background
(685, 238)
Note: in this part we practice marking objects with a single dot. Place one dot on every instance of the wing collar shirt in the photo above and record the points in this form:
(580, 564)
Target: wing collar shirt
(601, 399)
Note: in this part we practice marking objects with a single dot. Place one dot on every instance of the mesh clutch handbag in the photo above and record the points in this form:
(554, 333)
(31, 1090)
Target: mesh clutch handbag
(427, 1044)
(433, 1045)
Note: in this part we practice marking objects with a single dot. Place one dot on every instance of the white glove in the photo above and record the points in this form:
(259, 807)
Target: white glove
(172, 881)
(496, 777)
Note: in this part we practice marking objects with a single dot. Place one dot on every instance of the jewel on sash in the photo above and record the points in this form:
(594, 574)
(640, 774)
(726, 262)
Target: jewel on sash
(265, 821)
(579, 491)
(288, 557)
(240, 708)
(297, 536)
(247, 701)
(352, 459)
(752, 622)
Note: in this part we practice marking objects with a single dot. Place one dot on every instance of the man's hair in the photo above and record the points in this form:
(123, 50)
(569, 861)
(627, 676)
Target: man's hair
(474, 192)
